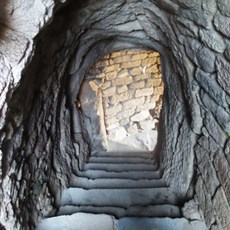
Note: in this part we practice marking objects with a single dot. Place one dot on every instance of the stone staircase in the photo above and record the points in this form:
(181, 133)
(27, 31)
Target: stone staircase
(119, 191)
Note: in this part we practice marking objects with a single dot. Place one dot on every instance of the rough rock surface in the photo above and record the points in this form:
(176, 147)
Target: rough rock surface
(45, 50)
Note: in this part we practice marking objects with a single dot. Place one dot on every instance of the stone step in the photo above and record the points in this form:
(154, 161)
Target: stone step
(145, 223)
(88, 221)
(114, 167)
(134, 160)
(146, 155)
(134, 175)
(141, 211)
(118, 197)
(79, 221)
(82, 182)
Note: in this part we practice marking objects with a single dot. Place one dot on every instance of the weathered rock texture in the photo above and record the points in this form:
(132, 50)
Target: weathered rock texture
(42, 139)
(124, 90)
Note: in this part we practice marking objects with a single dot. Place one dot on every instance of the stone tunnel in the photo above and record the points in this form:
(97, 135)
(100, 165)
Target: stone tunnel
(55, 95)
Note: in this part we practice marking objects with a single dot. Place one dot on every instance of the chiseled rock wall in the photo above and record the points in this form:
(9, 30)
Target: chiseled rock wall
(41, 135)
(131, 85)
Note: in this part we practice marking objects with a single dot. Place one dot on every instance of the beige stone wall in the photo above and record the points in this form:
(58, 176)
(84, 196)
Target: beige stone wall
(131, 85)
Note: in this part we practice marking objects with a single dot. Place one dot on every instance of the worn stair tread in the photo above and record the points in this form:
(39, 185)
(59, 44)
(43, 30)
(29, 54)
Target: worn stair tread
(146, 223)
(121, 160)
(148, 155)
(111, 167)
(135, 175)
(147, 211)
(118, 197)
(82, 182)
(79, 221)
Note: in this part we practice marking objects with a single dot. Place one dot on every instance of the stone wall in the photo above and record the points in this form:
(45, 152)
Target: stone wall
(41, 134)
(131, 86)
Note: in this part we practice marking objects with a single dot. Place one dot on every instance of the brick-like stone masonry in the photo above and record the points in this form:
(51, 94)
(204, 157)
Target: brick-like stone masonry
(131, 86)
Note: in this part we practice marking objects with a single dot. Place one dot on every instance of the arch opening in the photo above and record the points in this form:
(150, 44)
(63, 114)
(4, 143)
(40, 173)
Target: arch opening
(120, 100)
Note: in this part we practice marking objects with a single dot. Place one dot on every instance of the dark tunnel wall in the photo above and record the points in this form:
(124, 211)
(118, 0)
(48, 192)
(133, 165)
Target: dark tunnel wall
(42, 141)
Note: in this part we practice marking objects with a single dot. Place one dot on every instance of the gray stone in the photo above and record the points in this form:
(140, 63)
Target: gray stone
(191, 210)
(207, 170)
(201, 56)
(205, 201)
(223, 70)
(224, 7)
(198, 16)
(213, 40)
(206, 59)
(227, 53)
(222, 208)
(221, 166)
(214, 129)
(79, 221)
(211, 87)
(222, 24)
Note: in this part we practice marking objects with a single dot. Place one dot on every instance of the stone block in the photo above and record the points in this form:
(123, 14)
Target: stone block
(149, 61)
(140, 116)
(141, 77)
(146, 106)
(126, 113)
(101, 63)
(117, 54)
(133, 102)
(207, 170)
(109, 92)
(211, 87)
(144, 92)
(223, 70)
(205, 202)
(224, 7)
(111, 75)
(158, 90)
(133, 129)
(112, 111)
(123, 73)
(114, 100)
(153, 54)
(106, 85)
(147, 125)
(158, 75)
(122, 81)
(122, 59)
(137, 85)
(213, 40)
(100, 75)
(131, 64)
(155, 97)
(122, 89)
(126, 96)
(153, 69)
(139, 56)
(136, 71)
(117, 134)
(153, 82)
(111, 120)
(94, 86)
(222, 208)
(112, 126)
(222, 168)
(112, 68)
(124, 121)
